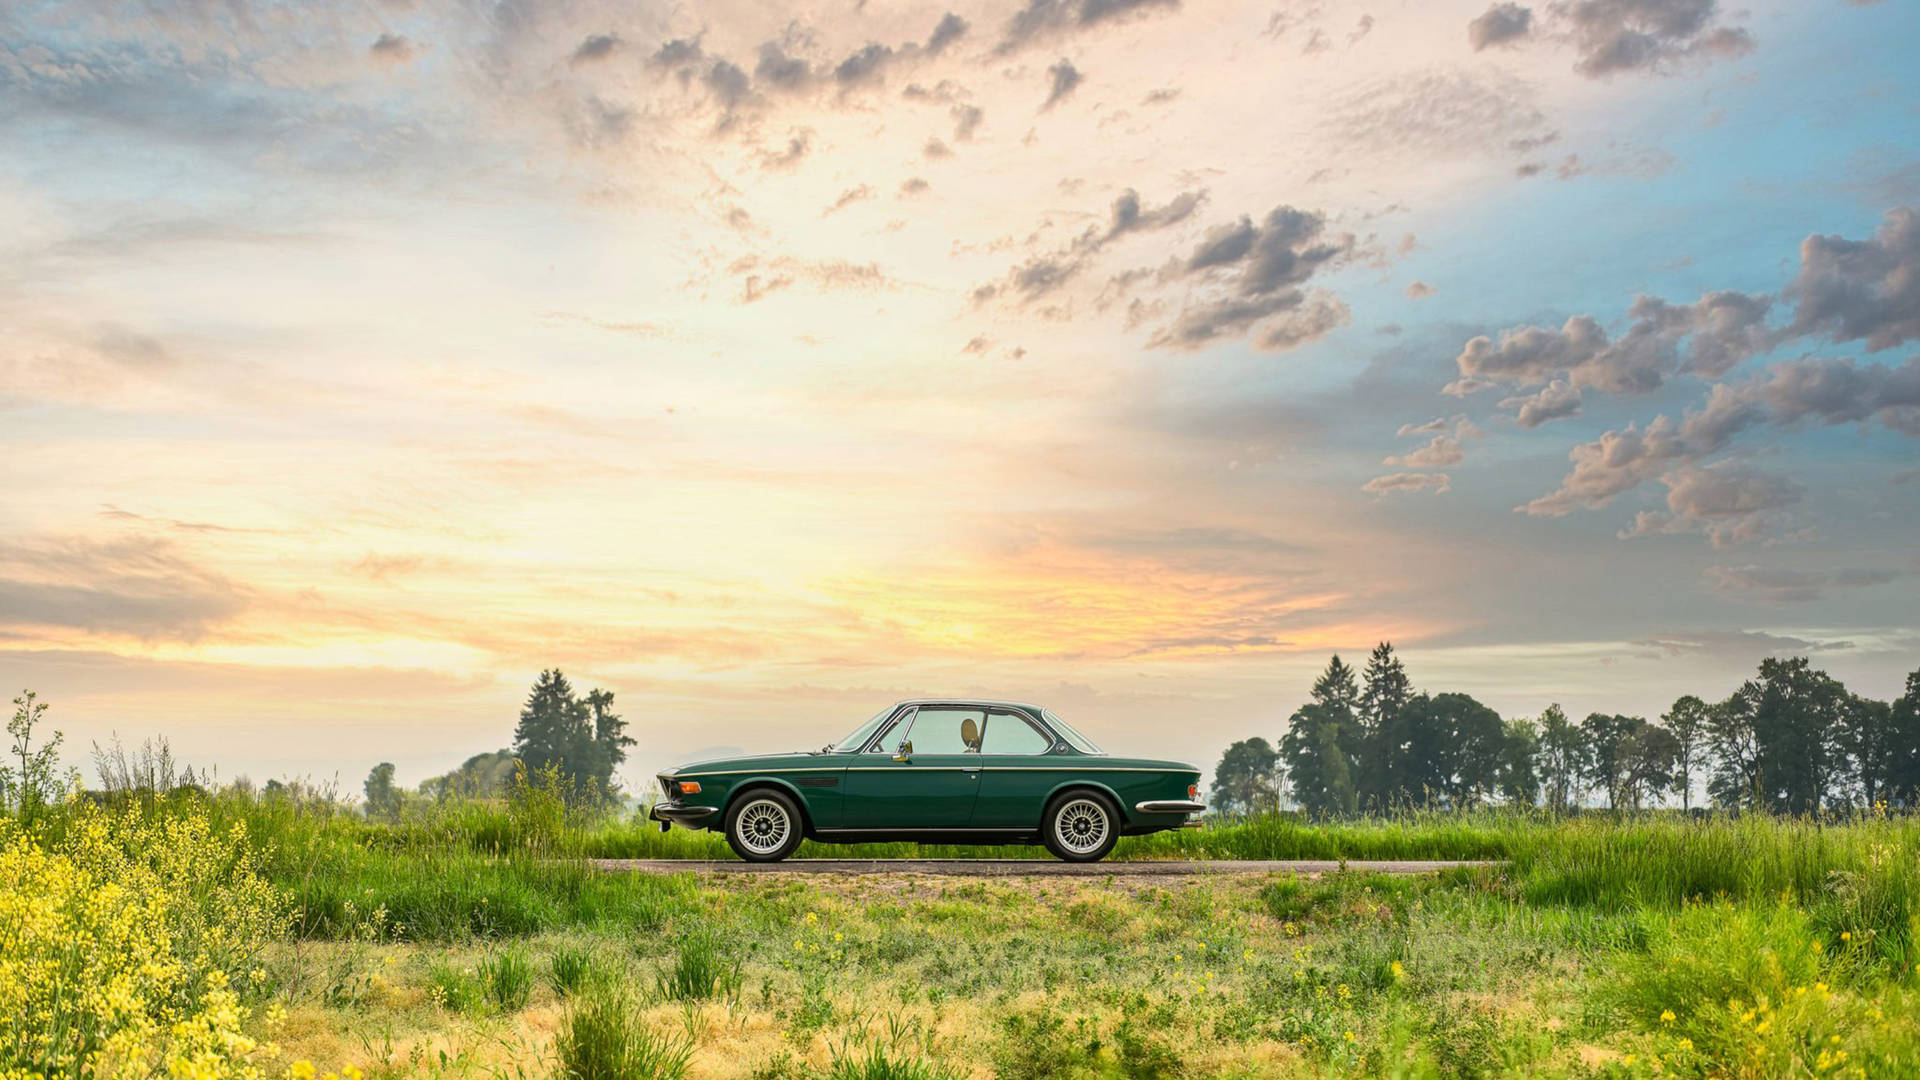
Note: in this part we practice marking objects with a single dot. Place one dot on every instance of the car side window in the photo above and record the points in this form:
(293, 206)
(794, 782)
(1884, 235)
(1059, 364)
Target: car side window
(889, 739)
(947, 730)
(1009, 733)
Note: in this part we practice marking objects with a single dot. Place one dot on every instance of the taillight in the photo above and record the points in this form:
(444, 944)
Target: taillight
(689, 787)
(1193, 791)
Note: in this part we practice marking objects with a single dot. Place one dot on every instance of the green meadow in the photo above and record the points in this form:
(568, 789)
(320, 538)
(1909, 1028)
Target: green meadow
(478, 940)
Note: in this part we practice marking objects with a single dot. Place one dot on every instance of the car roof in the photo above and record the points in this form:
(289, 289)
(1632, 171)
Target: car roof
(988, 702)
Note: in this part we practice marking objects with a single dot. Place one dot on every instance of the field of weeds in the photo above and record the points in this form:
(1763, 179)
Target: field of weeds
(238, 936)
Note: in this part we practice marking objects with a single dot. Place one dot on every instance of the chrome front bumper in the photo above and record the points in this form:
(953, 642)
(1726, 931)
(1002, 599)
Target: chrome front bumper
(1169, 806)
(668, 813)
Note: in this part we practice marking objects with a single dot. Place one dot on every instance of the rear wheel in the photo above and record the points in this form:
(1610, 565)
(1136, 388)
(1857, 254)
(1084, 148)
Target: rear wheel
(763, 826)
(1081, 826)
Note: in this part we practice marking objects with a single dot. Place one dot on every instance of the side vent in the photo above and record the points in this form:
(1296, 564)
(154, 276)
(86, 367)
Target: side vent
(817, 781)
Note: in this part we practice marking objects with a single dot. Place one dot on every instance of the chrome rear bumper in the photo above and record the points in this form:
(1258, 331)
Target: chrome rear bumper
(1169, 806)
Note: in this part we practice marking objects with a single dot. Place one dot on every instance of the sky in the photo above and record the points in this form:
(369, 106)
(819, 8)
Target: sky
(765, 363)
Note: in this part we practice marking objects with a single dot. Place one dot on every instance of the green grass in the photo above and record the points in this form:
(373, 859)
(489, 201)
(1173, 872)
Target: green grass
(604, 1037)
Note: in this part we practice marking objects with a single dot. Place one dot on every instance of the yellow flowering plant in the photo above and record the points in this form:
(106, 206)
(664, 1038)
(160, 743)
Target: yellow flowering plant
(127, 944)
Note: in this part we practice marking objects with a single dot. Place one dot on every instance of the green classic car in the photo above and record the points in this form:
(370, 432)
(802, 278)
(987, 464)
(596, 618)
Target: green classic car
(939, 771)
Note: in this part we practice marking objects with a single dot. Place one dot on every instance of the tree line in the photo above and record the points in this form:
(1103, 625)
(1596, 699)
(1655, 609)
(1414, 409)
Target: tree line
(1791, 740)
(563, 740)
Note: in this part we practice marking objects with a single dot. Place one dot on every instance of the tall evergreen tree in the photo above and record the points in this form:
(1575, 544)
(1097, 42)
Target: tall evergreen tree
(1687, 720)
(1563, 759)
(582, 738)
(1384, 739)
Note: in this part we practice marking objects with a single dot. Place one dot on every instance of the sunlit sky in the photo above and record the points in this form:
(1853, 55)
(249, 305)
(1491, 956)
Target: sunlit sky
(767, 362)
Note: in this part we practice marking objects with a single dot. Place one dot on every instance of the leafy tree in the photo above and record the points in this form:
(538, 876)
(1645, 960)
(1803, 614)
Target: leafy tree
(1902, 780)
(1452, 749)
(1797, 720)
(1629, 758)
(1687, 720)
(1736, 779)
(1866, 743)
(1563, 759)
(1317, 762)
(1247, 779)
(583, 739)
(383, 799)
(1383, 742)
(482, 776)
(1519, 776)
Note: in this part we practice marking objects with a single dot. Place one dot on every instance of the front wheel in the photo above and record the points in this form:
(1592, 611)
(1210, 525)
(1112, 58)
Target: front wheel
(763, 826)
(1081, 826)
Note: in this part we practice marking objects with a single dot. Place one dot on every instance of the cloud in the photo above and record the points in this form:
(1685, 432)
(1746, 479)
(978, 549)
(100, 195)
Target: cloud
(1719, 330)
(1557, 400)
(595, 48)
(1254, 273)
(935, 150)
(1730, 502)
(391, 48)
(1862, 290)
(138, 586)
(1446, 448)
(1420, 290)
(950, 29)
(966, 120)
(848, 198)
(1044, 273)
(1063, 80)
(1782, 585)
(1740, 645)
(1616, 36)
(1407, 483)
(1812, 389)
(914, 185)
(1501, 24)
(789, 156)
(1044, 20)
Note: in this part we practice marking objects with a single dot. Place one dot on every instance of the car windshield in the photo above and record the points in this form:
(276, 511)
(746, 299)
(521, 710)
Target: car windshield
(1075, 739)
(852, 743)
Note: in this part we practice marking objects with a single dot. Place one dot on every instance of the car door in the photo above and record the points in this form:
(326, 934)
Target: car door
(1018, 768)
(933, 787)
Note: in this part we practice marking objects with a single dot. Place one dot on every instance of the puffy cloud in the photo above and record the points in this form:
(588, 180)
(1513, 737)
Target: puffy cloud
(1614, 36)
(1730, 502)
(1862, 290)
(1822, 391)
(1043, 20)
(1830, 391)
(1255, 273)
(1062, 80)
(950, 29)
(1555, 401)
(1719, 330)
(848, 198)
(791, 154)
(966, 120)
(1407, 483)
(1501, 24)
(1420, 290)
(1784, 585)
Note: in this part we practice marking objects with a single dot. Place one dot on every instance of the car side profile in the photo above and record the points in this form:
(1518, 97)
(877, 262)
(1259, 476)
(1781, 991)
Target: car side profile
(937, 771)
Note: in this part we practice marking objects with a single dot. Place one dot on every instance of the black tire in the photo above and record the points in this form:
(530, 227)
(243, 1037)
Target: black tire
(1081, 826)
(763, 825)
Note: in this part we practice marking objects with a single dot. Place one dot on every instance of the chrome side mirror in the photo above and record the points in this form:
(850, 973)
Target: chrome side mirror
(905, 753)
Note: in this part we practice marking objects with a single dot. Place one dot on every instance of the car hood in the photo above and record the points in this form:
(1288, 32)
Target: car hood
(797, 759)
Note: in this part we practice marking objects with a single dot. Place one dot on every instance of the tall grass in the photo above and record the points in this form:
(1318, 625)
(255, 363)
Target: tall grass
(604, 1037)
